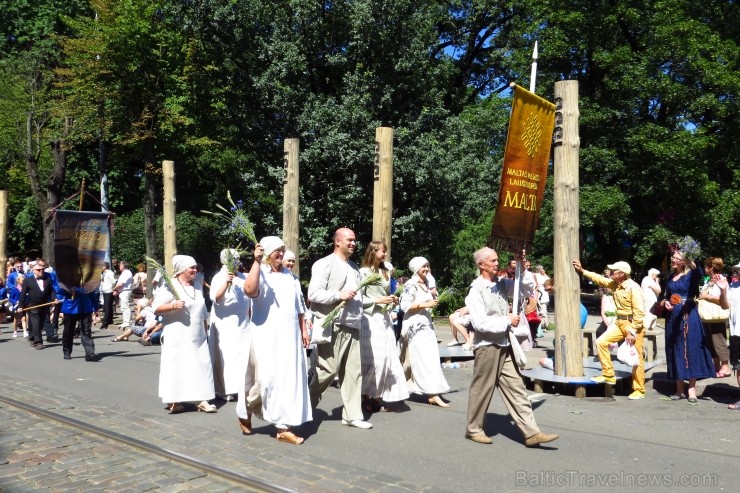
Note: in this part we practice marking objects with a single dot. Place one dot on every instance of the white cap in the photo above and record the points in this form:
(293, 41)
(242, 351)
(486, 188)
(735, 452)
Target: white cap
(621, 266)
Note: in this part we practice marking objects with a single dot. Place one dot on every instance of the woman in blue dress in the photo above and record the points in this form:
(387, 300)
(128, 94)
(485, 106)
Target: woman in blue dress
(687, 355)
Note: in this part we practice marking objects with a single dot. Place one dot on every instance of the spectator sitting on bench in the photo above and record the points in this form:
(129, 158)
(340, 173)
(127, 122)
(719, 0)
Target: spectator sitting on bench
(460, 323)
(608, 311)
(143, 318)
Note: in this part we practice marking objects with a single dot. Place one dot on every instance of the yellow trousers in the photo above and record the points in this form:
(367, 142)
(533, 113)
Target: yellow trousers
(616, 333)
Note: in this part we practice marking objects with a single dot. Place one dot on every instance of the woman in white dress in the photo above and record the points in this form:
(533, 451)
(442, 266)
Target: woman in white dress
(382, 374)
(418, 332)
(279, 337)
(185, 372)
(732, 293)
(229, 335)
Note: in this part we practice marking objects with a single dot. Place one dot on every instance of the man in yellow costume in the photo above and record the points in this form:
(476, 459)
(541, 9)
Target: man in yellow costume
(630, 312)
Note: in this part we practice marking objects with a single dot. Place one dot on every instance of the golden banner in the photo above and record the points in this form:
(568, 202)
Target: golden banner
(524, 175)
(80, 245)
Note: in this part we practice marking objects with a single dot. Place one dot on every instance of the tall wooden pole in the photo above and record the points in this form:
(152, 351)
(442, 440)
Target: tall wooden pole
(383, 188)
(568, 346)
(3, 230)
(291, 149)
(169, 210)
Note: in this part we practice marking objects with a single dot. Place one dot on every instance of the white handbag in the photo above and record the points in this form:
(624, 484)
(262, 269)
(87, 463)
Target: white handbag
(519, 357)
(711, 312)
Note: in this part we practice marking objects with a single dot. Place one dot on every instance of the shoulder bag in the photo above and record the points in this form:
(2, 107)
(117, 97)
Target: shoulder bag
(712, 313)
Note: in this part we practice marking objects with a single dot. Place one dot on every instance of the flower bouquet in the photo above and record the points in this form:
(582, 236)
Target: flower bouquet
(689, 247)
(165, 275)
(398, 293)
(445, 296)
(238, 227)
(371, 280)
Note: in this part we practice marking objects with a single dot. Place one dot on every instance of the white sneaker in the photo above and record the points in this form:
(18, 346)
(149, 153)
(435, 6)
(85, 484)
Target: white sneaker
(358, 423)
(25, 333)
(15, 334)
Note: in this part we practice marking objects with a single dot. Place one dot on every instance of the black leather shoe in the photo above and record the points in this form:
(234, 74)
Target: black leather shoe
(67, 356)
(92, 357)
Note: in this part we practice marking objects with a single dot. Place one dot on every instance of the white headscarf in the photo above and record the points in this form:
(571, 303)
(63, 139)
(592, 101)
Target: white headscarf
(225, 255)
(270, 244)
(417, 263)
(180, 263)
(288, 255)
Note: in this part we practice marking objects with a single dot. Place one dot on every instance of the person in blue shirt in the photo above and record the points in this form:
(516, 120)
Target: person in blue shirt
(14, 298)
(78, 308)
(16, 272)
(3, 297)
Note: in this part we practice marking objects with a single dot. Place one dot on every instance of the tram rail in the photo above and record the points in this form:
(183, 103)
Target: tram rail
(240, 479)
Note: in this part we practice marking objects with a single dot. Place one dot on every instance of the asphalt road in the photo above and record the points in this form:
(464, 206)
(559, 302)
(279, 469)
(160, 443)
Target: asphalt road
(647, 445)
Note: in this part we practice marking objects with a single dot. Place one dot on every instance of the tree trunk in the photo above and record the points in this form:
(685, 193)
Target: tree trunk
(47, 196)
(54, 192)
(150, 200)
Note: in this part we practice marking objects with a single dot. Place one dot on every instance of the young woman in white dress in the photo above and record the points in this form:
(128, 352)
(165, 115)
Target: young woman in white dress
(382, 374)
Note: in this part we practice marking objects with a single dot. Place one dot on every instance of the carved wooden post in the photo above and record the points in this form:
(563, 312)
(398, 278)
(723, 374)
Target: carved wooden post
(3, 230)
(568, 346)
(383, 188)
(169, 209)
(291, 149)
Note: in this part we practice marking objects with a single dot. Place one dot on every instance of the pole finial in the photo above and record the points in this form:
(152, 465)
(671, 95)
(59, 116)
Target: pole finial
(533, 74)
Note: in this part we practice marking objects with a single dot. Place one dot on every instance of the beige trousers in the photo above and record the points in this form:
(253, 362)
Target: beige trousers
(495, 367)
(340, 357)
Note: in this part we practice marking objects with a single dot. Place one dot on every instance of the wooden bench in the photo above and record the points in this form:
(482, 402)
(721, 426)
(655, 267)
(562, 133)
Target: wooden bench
(650, 342)
(591, 368)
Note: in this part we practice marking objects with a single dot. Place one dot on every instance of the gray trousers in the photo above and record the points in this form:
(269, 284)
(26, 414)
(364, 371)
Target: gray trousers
(340, 357)
(495, 367)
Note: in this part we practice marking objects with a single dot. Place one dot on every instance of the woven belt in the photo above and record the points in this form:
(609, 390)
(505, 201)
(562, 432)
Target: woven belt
(624, 317)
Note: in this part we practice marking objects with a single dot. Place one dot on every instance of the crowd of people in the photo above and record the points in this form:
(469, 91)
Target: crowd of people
(251, 345)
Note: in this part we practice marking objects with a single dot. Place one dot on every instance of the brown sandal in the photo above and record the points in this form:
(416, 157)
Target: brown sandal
(246, 425)
(175, 408)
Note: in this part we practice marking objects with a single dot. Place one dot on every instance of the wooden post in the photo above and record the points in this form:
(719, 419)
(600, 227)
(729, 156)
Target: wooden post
(169, 210)
(569, 353)
(291, 150)
(383, 188)
(3, 229)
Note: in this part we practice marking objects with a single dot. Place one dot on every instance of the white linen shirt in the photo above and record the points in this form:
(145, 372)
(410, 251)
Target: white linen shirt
(489, 314)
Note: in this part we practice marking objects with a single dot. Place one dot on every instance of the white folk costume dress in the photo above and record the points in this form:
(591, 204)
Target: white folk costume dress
(421, 341)
(185, 372)
(229, 335)
(278, 347)
(382, 373)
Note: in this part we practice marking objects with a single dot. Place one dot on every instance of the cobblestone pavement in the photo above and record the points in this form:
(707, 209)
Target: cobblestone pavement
(418, 448)
(40, 454)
